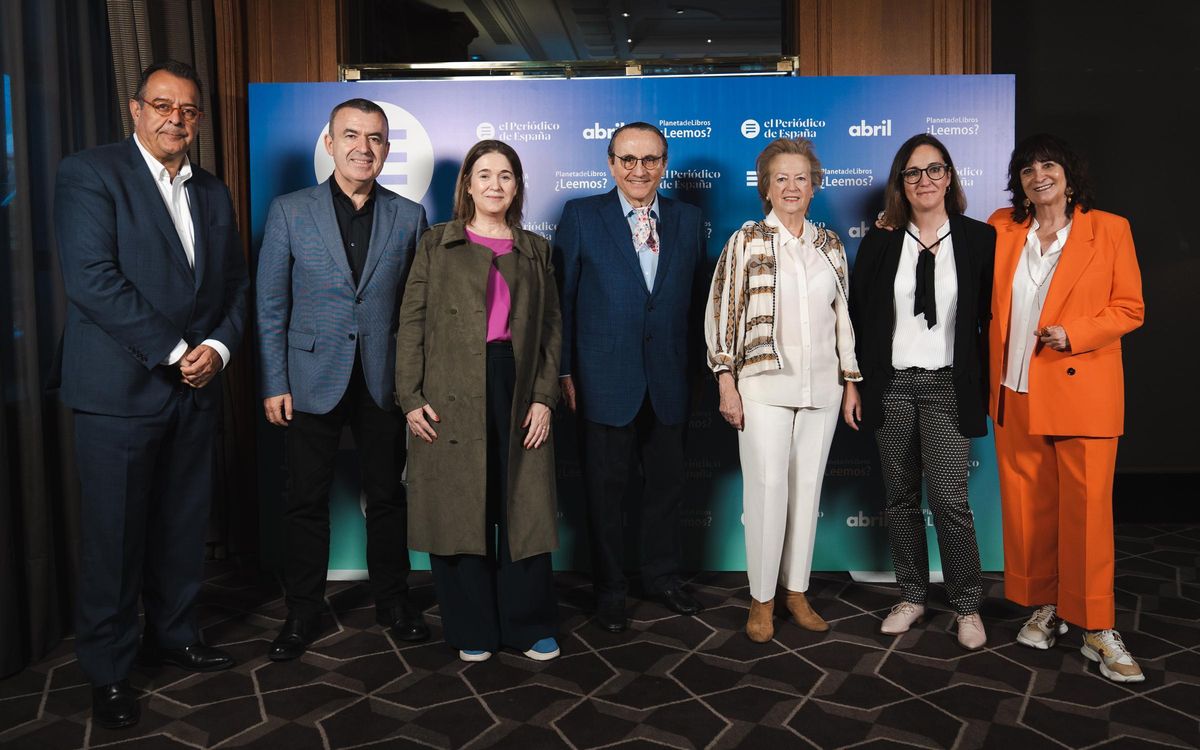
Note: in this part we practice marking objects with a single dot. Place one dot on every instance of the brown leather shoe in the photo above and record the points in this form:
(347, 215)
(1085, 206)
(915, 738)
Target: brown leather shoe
(804, 615)
(760, 625)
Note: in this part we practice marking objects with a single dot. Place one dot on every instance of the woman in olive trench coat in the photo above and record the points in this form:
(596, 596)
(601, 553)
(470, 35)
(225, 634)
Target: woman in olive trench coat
(489, 597)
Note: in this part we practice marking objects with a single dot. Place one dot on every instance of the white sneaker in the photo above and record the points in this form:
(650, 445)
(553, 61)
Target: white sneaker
(1042, 628)
(902, 617)
(971, 634)
(1107, 649)
(474, 655)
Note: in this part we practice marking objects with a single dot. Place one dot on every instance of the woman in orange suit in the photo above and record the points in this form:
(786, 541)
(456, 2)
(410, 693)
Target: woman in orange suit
(1067, 287)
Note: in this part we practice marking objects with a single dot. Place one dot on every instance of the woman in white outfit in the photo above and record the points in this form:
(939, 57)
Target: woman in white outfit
(781, 346)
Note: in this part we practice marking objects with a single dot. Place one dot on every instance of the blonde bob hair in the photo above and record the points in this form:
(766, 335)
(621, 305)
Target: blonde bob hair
(779, 147)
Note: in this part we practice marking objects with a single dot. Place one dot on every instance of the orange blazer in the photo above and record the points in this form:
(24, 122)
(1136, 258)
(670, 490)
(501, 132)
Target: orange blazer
(1096, 295)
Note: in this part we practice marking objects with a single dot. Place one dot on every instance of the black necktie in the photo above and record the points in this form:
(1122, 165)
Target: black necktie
(924, 298)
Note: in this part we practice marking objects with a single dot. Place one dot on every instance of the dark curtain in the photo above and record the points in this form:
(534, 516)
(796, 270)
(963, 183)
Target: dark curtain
(58, 99)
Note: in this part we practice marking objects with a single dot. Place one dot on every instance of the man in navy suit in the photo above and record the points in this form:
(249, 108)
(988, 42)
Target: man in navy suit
(330, 276)
(156, 287)
(632, 264)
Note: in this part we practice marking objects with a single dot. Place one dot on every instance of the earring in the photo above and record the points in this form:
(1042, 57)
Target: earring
(1025, 203)
(1070, 196)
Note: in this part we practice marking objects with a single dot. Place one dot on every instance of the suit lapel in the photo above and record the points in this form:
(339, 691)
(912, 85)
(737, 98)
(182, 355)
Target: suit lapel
(143, 183)
(668, 236)
(331, 236)
(198, 206)
(885, 272)
(1010, 243)
(1076, 255)
(963, 272)
(381, 232)
(622, 237)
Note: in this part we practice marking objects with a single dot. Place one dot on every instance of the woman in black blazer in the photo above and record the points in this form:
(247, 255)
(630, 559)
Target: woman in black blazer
(920, 296)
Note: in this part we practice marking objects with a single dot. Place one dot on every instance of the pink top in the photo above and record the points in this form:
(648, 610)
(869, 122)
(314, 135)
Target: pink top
(499, 301)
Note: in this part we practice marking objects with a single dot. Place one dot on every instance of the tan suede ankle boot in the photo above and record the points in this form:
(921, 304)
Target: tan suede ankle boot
(804, 615)
(760, 625)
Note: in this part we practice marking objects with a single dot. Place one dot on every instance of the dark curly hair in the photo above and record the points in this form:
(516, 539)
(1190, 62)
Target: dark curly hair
(1046, 147)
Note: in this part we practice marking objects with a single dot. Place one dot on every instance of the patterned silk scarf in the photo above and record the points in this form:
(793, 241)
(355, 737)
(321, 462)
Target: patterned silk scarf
(645, 232)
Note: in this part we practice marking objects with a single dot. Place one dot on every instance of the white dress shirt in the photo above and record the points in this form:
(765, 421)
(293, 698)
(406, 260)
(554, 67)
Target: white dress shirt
(1031, 283)
(805, 327)
(175, 197)
(914, 343)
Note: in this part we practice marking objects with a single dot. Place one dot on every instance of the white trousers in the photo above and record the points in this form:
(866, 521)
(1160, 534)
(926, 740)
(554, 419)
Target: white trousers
(783, 452)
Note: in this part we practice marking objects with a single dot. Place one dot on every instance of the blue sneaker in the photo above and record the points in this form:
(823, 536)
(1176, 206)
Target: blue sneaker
(544, 650)
(471, 654)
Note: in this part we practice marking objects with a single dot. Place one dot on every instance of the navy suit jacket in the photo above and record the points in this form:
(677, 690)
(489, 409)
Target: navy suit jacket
(311, 315)
(621, 340)
(131, 292)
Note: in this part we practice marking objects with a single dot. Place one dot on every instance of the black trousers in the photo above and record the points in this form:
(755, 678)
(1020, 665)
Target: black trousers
(612, 457)
(919, 436)
(312, 447)
(489, 601)
(146, 488)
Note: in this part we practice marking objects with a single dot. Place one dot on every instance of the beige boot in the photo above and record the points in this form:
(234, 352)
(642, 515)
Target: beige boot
(760, 626)
(804, 615)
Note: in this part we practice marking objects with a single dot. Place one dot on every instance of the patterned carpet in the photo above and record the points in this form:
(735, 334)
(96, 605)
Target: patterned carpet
(669, 682)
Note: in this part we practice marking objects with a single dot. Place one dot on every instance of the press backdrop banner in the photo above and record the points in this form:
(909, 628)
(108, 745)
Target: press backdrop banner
(715, 127)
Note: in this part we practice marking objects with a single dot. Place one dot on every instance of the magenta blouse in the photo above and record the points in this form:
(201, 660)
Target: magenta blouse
(499, 301)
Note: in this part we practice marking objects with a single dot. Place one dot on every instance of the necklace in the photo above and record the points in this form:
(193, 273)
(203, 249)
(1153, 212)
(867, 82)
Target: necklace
(1038, 286)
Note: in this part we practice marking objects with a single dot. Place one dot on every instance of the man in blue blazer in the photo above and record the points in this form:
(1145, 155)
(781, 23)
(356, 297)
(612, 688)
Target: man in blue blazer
(632, 264)
(330, 275)
(156, 287)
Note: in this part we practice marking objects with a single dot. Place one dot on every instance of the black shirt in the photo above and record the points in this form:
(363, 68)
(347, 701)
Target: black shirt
(354, 225)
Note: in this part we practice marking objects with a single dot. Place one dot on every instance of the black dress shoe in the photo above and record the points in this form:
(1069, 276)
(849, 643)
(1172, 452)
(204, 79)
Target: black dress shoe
(194, 658)
(405, 620)
(611, 617)
(679, 600)
(293, 639)
(115, 706)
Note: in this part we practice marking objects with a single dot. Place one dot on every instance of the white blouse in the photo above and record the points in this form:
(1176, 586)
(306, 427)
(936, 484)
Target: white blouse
(1031, 283)
(805, 328)
(915, 344)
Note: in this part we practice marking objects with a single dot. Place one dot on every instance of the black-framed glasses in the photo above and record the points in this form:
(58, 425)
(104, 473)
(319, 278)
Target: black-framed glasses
(936, 171)
(164, 108)
(649, 162)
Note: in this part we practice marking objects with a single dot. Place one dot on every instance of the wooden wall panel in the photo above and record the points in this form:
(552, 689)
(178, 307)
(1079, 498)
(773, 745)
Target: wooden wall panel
(292, 40)
(893, 37)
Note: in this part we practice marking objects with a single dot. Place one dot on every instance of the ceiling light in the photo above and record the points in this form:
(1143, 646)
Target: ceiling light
(709, 41)
(679, 12)
(629, 41)
(625, 15)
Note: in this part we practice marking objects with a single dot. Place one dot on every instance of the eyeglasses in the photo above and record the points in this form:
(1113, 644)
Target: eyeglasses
(165, 108)
(912, 175)
(629, 162)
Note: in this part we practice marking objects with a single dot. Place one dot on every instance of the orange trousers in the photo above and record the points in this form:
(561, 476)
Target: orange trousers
(1057, 513)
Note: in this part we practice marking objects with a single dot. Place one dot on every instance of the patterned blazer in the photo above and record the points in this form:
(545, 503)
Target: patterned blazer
(312, 317)
(739, 321)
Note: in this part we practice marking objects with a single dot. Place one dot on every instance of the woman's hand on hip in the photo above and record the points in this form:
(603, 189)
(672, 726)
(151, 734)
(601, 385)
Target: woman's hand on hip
(731, 401)
(419, 423)
(537, 425)
(851, 406)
